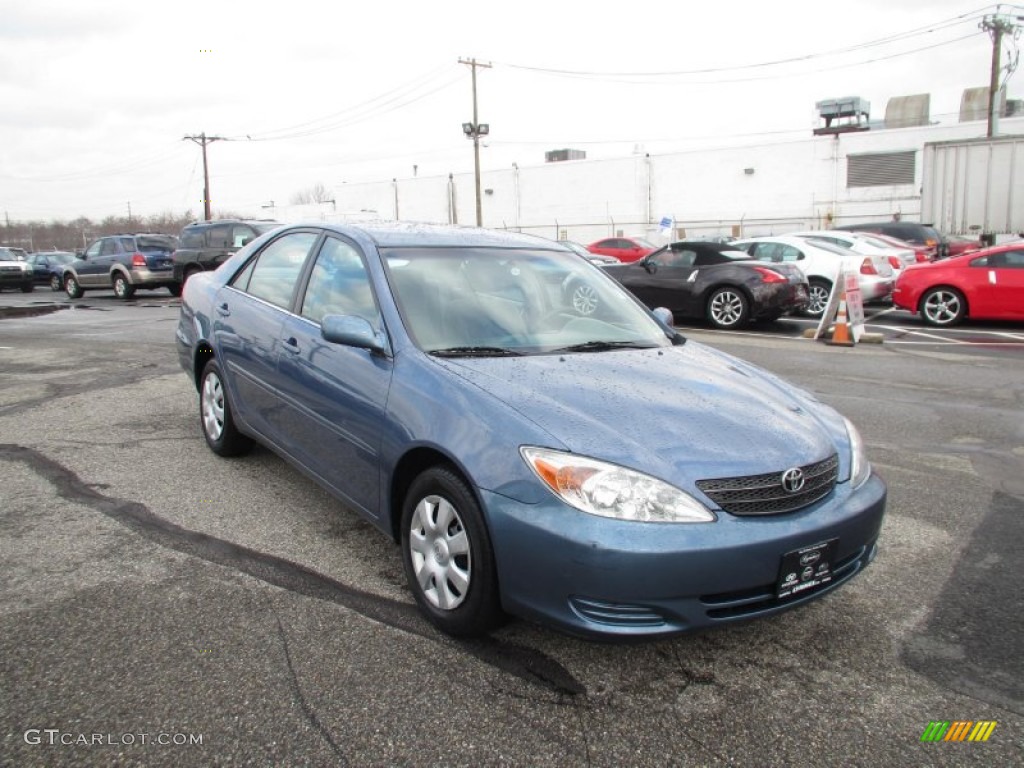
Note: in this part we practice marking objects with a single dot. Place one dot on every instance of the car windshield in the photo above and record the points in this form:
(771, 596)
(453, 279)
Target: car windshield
(644, 243)
(496, 301)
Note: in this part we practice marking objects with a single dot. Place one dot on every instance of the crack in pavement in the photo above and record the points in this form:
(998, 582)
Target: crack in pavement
(527, 664)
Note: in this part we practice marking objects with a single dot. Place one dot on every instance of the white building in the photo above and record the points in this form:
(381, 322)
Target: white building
(859, 171)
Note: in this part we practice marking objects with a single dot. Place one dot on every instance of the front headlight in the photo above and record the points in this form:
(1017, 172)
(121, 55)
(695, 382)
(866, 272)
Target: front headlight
(860, 469)
(608, 490)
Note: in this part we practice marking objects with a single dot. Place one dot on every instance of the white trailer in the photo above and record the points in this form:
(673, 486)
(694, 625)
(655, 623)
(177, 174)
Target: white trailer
(974, 187)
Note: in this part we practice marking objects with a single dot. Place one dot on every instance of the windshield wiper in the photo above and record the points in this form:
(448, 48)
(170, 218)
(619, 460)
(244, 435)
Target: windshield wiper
(603, 346)
(475, 352)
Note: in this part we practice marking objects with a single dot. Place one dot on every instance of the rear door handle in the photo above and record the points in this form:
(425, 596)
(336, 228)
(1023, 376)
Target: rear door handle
(223, 310)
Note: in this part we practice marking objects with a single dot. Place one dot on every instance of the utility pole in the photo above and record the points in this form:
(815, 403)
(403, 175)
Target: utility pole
(202, 140)
(474, 131)
(997, 25)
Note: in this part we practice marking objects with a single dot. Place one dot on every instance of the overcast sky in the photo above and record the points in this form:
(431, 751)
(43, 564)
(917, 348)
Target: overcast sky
(96, 97)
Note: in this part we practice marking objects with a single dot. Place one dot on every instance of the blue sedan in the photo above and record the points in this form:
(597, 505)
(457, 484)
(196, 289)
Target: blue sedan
(600, 474)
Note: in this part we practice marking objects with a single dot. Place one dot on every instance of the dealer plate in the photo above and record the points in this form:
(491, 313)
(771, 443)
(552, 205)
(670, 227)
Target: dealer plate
(806, 568)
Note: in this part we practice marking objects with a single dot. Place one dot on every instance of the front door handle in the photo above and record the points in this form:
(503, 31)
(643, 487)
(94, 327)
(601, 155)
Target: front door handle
(291, 344)
(222, 310)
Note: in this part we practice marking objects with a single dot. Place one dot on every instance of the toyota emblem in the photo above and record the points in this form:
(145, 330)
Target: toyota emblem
(793, 480)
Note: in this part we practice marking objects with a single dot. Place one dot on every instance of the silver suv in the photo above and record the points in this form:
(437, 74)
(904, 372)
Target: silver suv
(15, 269)
(124, 263)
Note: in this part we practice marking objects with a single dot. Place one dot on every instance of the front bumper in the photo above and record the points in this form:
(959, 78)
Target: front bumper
(597, 577)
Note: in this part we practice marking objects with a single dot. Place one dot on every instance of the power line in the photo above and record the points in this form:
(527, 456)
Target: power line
(203, 140)
(946, 24)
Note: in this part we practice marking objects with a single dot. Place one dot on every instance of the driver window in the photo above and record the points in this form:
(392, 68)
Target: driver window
(339, 285)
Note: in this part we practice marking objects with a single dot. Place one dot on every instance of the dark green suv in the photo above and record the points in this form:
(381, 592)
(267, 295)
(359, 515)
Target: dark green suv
(205, 244)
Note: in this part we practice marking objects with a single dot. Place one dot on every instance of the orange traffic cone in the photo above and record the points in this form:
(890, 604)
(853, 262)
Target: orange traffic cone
(841, 330)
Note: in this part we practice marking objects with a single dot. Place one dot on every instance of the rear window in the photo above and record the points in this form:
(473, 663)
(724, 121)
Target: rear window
(161, 242)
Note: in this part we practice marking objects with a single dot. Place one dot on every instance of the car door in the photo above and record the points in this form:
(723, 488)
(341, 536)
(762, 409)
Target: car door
(1006, 284)
(216, 247)
(249, 312)
(663, 279)
(94, 268)
(335, 395)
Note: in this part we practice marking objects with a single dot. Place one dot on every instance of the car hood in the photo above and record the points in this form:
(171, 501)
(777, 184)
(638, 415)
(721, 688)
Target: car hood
(682, 413)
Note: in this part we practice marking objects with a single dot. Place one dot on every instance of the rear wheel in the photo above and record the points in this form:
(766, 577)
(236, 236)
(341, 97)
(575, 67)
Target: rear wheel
(727, 307)
(943, 307)
(819, 293)
(122, 288)
(175, 289)
(55, 283)
(215, 416)
(447, 554)
(27, 287)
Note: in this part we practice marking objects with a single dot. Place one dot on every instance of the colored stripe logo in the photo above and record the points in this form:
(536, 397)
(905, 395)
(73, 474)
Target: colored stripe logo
(958, 730)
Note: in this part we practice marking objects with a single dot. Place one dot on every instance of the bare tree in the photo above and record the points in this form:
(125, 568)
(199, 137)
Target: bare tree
(317, 193)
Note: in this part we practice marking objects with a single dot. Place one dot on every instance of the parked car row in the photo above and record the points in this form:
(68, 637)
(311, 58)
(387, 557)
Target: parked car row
(129, 262)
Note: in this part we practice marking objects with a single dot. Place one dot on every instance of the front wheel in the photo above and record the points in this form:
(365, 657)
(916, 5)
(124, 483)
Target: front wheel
(215, 415)
(943, 307)
(727, 308)
(175, 289)
(27, 287)
(73, 288)
(818, 294)
(447, 555)
(122, 288)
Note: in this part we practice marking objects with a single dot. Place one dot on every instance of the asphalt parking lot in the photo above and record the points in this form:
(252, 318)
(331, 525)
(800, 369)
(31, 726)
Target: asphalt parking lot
(162, 606)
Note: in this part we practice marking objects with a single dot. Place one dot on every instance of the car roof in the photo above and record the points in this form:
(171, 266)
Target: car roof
(391, 234)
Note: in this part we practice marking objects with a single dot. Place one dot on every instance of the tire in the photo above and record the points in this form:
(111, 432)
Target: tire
(447, 555)
(584, 299)
(72, 287)
(215, 417)
(820, 290)
(175, 289)
(943, 307)
(727, 308)
(55, 283)
(27, 287)
(122, 288)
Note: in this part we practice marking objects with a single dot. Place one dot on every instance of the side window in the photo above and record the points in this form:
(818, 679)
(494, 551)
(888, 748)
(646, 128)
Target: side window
(1014, 259)
(767, 251)
(241, 235)
(126, 245)
(218, 236)
(94, 250)
(108, 247)
(192, 238)
(339, 285)
(277, 269)
(789, 253)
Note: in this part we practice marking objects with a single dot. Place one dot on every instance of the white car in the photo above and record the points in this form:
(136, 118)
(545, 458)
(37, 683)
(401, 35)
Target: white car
(820, 262)
(867, 244)
(15, 269)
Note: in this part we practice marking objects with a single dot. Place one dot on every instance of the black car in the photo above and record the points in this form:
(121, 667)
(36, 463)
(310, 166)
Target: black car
(705, 280)
(205, 244)
(48, 267)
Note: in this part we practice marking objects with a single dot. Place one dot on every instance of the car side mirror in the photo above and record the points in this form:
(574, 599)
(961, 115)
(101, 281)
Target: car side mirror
(664, 316)
(352, 331)
(650, 266)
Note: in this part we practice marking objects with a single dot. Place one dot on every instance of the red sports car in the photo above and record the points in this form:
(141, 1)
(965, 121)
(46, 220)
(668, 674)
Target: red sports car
(986, 284)
(625, 249)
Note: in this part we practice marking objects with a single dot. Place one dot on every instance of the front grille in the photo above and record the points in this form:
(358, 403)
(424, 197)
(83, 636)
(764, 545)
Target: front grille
(764, 494)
